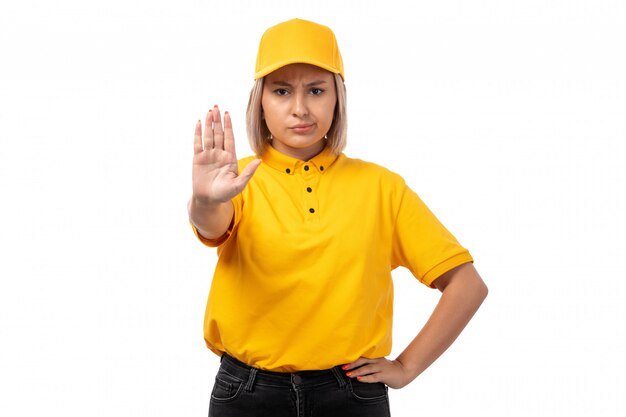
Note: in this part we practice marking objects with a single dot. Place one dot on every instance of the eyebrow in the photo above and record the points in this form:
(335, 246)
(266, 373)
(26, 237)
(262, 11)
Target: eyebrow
(311, 84)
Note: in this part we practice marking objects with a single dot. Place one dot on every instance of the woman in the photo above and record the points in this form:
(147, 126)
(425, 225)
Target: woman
(300, 307)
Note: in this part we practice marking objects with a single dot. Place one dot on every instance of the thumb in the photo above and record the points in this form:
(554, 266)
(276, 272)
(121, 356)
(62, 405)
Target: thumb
(247, 173)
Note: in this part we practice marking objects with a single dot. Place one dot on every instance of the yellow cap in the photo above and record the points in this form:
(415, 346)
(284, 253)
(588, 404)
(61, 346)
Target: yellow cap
(298, 41)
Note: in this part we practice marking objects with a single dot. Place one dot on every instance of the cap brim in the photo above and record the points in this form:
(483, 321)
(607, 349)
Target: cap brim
(271, 68)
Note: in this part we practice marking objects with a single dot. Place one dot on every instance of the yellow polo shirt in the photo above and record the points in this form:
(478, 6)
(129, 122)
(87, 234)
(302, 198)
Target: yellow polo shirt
(303, 279)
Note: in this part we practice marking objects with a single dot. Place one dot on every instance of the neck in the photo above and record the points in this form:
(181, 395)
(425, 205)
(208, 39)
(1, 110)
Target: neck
(303, 154)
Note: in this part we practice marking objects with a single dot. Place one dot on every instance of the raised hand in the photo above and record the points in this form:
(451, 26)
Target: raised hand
(215, 176)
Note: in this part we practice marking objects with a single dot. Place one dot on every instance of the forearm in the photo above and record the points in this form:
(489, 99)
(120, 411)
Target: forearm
(463, 291)
(211, 220)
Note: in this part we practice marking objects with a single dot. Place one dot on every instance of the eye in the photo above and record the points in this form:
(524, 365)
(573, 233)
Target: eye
(316, 91)
(281, 92)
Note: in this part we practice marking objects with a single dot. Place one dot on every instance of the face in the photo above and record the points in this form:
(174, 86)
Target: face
(298, 106)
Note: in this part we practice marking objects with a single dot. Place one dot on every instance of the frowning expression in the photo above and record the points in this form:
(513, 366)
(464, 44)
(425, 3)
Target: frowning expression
(298, 106)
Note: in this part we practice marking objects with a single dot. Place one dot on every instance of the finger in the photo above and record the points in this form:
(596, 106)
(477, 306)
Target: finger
(197, 138)
(229, 138)
(219, 138)
(369, 379)
(208, 131)
(218, 131)
(364, 370)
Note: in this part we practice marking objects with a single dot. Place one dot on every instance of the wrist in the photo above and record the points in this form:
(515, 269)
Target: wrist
(209, 218)
(411, 370)
(204, 203)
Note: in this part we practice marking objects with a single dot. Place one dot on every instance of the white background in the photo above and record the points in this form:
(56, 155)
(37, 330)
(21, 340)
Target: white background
(507, 117)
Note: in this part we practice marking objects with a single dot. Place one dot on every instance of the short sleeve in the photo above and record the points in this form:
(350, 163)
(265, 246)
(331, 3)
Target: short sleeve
(421, 243)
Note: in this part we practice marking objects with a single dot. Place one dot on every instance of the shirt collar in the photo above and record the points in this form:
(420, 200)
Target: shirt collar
(288, 165)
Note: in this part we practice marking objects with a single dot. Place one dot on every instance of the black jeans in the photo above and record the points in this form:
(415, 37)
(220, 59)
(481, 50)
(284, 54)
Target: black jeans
(244, 391)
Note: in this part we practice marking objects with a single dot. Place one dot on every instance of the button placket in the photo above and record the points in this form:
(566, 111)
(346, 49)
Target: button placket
(310, 178)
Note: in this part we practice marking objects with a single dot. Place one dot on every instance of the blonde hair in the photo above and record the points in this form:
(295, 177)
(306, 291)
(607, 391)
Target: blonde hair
(259, 134)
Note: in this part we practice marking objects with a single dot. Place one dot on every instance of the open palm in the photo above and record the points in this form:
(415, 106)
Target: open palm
(215, 176)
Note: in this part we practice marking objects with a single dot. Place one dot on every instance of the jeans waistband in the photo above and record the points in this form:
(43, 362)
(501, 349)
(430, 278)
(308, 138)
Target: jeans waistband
(302, 379)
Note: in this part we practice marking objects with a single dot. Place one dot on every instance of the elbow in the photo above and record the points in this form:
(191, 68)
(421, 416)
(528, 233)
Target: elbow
(484, 291)
(482, 287)
(480, 291)
(476, 289)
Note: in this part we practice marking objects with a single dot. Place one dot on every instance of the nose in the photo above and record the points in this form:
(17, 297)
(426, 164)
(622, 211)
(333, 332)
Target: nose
(299, 105)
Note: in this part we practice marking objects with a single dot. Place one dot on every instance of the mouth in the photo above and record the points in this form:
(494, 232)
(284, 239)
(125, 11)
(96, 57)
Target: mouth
(302, 128)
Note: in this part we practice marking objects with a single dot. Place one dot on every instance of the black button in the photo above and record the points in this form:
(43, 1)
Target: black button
(287, 170)
(306, 167)
(297, 379)
(312, 210)
(321, 168)
(309, 189)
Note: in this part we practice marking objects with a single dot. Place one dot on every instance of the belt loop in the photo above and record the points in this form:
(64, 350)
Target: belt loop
(339, 376)
(251, 378)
